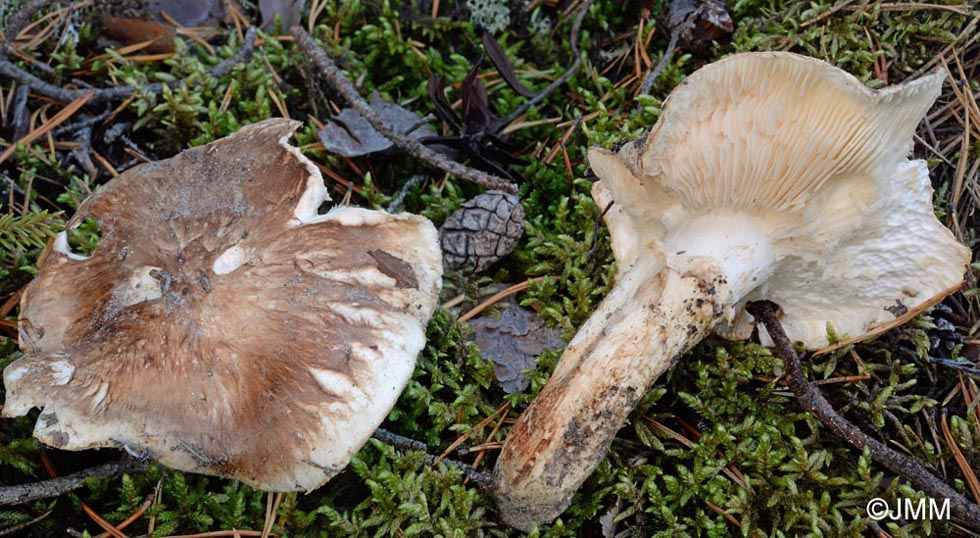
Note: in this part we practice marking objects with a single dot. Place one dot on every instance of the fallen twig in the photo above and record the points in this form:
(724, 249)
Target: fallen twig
(20, 120)
(14, 529)
(966, 367)
(19, 20)
(482, 480)
(55, 121)
(81, 124)
(811, 399)
(400, 197)
(573, 43)
(9, 70)
(24, 493)
(92, 514)
(318, 58)
(675, 35)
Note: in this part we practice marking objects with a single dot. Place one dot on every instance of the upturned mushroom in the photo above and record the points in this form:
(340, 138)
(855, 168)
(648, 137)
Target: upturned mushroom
(768, 176)
(223, 325)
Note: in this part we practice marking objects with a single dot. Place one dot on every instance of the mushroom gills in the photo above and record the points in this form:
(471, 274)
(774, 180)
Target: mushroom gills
(731, 198)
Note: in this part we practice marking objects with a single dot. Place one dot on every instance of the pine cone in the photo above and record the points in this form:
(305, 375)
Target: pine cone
(483, 230)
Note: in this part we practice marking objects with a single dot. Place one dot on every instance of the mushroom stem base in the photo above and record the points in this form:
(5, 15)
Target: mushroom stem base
(650, 318)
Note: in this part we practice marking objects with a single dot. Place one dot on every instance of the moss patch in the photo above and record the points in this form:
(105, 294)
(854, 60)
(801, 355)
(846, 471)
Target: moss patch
(718, 448)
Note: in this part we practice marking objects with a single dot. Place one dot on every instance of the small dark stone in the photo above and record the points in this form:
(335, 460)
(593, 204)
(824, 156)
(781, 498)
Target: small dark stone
(944, 337)
(482, 231)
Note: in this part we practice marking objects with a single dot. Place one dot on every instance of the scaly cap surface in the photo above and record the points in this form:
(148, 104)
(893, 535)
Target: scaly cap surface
(223, 326)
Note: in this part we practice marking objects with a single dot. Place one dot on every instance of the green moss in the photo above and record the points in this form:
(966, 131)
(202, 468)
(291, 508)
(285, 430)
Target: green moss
(453, 387)
(407, 497)
(84, 238)
(750, 451)
(852, 39)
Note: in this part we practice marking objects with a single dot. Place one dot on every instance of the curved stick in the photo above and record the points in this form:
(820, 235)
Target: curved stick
(10, 70)
(319, 59)
(811, 399)
(24, 493)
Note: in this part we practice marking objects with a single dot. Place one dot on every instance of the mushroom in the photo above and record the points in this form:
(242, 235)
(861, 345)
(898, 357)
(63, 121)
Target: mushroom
(768, 176)
(223, 326)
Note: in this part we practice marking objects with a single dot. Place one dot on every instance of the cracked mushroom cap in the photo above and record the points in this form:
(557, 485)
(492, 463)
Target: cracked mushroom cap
(794, 176)
(223, 326)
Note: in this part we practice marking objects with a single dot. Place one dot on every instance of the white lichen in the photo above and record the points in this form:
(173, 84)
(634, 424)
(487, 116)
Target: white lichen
(491, 15)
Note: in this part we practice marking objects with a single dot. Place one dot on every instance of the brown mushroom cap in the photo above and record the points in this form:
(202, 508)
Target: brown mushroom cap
(222, 326)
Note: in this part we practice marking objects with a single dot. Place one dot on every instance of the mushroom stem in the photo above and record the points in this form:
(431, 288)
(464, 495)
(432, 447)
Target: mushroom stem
(649, 319)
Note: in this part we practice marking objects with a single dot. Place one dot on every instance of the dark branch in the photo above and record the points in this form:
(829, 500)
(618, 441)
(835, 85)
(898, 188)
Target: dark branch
(965, 367)
(573, 43)
(10, 70)
(80, 124)
(399, 199)
(811, 399)
(24, 493)
(319, 59)
(668, 55)
(399, 441)
(482, 480)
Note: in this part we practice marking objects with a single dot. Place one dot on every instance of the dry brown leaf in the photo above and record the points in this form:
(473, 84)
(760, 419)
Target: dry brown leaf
(131, 31)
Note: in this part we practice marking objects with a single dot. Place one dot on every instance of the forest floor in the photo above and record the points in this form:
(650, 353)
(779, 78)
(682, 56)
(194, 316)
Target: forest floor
(719, 447)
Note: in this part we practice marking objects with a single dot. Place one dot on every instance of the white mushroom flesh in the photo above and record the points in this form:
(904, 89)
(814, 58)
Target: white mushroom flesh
(768, 176)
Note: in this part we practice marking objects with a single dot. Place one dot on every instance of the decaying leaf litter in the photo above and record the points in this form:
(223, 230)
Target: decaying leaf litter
(727, 405)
